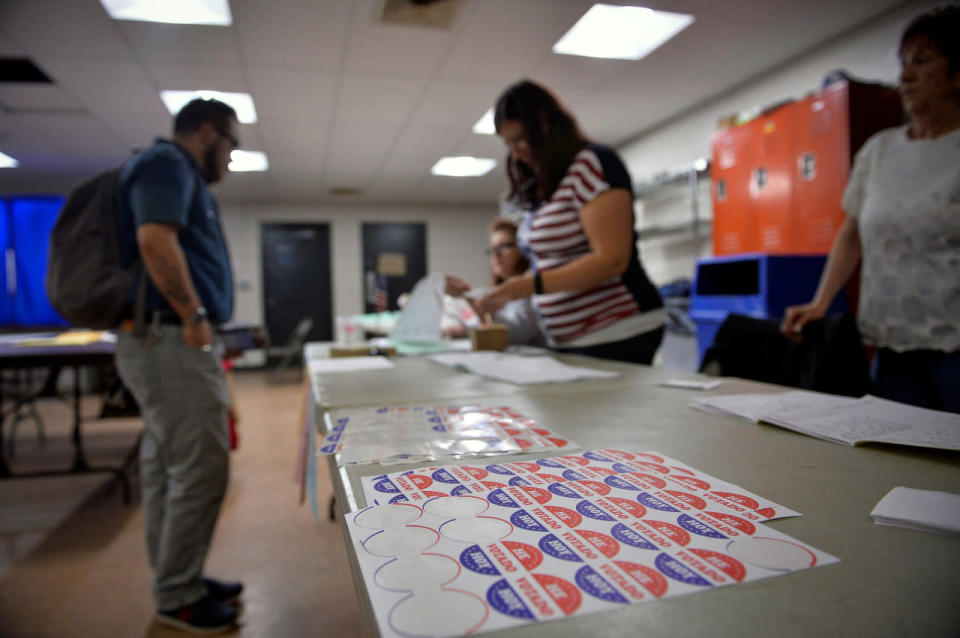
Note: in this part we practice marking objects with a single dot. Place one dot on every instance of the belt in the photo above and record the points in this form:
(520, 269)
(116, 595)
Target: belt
(169, 318)
(165, 319)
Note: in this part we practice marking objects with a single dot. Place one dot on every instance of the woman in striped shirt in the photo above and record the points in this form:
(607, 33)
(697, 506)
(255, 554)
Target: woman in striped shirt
(588, 287)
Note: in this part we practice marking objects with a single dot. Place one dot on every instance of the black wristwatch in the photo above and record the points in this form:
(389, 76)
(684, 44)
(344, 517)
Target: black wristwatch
(199, 316)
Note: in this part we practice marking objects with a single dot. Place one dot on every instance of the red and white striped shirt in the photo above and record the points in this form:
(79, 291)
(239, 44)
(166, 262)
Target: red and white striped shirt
(619, 308)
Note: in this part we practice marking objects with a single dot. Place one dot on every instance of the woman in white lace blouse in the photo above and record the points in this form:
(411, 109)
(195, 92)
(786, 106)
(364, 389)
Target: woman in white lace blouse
(903, 224)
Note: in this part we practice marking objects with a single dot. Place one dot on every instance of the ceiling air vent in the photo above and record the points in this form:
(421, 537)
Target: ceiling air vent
(21, 70)
(342, 191)
(437, 14)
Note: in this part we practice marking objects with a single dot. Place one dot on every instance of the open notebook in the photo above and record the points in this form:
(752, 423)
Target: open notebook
(844, 420)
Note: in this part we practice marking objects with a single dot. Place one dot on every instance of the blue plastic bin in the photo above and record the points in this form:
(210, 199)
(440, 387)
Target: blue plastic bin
(756, 285)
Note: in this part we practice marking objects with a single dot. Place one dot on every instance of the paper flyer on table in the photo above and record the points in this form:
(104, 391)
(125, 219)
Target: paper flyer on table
(519, 369)
(602, 471)
(469, 564)
(394, 434)
(340, 365)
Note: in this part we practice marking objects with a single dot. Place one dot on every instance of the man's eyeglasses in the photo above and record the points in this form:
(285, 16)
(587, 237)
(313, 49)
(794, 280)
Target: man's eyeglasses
(499, 249)
(234, 142)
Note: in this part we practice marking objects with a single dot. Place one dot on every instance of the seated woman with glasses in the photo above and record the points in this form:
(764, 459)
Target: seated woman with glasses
(506, 260)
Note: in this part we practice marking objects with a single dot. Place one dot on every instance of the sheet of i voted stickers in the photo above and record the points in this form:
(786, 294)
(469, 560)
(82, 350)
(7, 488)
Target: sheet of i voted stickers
(514, 553)
(394, 434)
(605, 471)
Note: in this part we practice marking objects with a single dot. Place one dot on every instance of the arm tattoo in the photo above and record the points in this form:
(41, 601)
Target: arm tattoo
(167, 268)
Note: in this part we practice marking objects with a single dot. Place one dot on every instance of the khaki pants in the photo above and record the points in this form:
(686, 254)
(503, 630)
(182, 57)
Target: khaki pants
(183, 454)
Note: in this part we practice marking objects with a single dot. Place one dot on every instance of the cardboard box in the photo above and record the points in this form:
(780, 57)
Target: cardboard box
(494, 336)
(363, 351)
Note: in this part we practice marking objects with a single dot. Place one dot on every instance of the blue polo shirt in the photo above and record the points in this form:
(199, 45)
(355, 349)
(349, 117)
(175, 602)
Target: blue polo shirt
(163, 184)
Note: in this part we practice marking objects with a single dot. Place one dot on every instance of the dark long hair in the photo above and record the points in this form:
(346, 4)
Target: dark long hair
(552, 133)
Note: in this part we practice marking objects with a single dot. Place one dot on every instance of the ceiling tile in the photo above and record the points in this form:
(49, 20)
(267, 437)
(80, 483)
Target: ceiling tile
(31, 96)
(52, 27)
(352, 138)
(378, 99)
(428, 142)
(302, 96)
(115, 85)
(456, 103)
(376, 48)
(312, 33)
(510, 37)
(297, 139)
(188, 44)
(189, 76)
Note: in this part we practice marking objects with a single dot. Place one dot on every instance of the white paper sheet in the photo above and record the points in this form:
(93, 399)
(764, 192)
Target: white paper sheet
(420, 318)
(348, 364)
(692, 384)
(924, 510)
(514, 368)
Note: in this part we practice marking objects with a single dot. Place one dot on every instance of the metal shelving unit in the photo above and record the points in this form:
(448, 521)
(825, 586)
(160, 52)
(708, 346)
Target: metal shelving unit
(689, 176)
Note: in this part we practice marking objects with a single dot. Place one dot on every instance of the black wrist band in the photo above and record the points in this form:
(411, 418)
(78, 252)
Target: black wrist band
(537, 283)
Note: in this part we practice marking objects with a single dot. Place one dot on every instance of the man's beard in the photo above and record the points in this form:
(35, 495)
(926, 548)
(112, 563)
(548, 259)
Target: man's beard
(210, 175)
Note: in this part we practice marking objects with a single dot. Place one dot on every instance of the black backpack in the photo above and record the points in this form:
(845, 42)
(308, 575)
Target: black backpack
(86, 281)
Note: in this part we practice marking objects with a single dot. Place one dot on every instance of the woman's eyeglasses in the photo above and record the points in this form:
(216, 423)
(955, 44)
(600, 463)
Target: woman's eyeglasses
(499, 249)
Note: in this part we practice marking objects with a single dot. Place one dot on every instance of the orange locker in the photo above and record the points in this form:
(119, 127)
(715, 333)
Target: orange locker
(730, 172)
(822, 167)
(771, 181)
(778, 180)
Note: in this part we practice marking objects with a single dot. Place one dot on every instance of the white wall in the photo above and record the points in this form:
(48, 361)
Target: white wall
(869, 53)
(456, 238)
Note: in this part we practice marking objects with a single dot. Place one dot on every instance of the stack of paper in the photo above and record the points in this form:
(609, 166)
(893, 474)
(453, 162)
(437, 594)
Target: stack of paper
(843, 419)
(692, 384)
(924, 510)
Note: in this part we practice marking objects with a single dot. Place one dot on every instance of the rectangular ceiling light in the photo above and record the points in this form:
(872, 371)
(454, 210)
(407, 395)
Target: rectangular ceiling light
(621, 33)
(242, 103)
(484, 125)
(210, 12)
(243, 161)
(464, 166)
(8, 162)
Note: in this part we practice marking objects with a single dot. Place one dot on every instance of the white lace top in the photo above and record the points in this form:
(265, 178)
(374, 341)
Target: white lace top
(905, 195)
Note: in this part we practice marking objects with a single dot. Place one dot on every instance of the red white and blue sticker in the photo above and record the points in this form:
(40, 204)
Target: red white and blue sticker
(418, 433)
(617, 474)
(471, 549)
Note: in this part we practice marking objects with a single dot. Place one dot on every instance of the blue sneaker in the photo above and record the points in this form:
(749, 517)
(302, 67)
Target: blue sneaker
(225, 592)
(206, 616)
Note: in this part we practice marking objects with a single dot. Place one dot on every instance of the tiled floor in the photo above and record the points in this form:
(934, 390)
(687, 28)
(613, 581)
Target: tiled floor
(73, 561)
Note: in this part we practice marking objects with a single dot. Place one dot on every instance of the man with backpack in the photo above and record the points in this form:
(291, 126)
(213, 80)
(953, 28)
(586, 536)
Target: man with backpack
(168, 219)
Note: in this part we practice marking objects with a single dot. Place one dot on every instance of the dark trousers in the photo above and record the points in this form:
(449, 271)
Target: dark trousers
(639, 349)
(925, 378)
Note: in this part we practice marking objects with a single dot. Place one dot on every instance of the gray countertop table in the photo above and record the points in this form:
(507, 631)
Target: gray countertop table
(890, 581)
